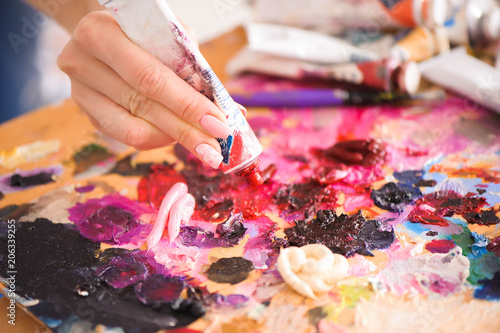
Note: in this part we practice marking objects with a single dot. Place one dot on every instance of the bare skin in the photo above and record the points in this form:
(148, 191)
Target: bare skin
(126, 92)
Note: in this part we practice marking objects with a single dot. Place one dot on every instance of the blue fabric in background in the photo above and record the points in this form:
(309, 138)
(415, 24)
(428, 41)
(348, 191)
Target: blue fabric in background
(18, 46)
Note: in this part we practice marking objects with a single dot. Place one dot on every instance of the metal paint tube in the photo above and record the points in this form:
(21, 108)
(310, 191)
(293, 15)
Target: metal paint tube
(410, 13)
(388, 74)
(421, 44)
(153, 26)
(476, 24)
(466, 75)
(339, 16)
(304, 45)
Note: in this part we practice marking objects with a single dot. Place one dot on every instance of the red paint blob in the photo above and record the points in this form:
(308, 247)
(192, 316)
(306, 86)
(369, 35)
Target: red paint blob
(152, 189)
(440, 246)
(432, 208)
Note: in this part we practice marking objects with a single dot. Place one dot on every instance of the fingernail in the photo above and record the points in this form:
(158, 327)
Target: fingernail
(216, 127)
(242, 109)
(209, 155)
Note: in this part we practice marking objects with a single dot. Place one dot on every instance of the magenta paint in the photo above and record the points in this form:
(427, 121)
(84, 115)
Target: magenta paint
(440, 246)
(112, 219)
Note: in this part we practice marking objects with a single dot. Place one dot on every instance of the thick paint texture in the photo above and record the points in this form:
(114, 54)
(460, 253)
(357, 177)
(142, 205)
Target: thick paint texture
(65, 278)
(113, 219)
(434, 207)
(230, 270)
(329, 180)
(440, 246)
(342, 234)
(442, 274)
(395, 197)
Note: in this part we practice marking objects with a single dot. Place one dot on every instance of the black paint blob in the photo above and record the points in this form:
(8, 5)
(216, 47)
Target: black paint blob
(14, 212)
(16, 180)
(302, 198)
(230, 270)
(483, 217)
(394, 197)
(57, 266)
(125, 167)
(344, 234)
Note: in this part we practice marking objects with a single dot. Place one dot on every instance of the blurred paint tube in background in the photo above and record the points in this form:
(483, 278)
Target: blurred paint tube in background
(337, 16)
(476, 23)
(410, 13)
(421, 44)
(304, 45)
(465, 75)
(390, 74)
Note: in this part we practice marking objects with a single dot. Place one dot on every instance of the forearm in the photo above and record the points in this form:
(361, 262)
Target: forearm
(66, 12)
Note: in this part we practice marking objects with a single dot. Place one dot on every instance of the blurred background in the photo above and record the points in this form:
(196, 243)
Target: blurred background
(293, 40)
(31, 76)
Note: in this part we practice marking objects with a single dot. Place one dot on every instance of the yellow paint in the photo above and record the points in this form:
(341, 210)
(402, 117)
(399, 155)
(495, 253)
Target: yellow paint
(31, 152)
(350, 295)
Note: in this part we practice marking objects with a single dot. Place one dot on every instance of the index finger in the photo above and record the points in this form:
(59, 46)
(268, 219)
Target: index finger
(148, 75)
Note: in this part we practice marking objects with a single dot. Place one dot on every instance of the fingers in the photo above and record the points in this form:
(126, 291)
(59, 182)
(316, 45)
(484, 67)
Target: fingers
(102, 78)
(147, 75)
(242, 109)
(117, 122)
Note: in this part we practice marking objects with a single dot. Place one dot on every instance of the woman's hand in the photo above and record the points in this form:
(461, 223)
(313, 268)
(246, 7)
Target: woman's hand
(131, 96)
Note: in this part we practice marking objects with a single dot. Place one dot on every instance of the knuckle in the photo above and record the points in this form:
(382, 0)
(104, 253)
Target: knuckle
(88, 32)
(148, 80)
(182, 135)
(188, 106)
(138, 104)
(86, 27)
(137, 136)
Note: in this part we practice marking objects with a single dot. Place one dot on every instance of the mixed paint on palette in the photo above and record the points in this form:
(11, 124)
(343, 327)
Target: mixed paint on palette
(410, 195)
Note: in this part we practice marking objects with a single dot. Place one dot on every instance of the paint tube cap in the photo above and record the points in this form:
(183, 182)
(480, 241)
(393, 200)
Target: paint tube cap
(436, 12)
(408, 79)
(491, 24)
(252, 174)
(255, 179)
(442, 40)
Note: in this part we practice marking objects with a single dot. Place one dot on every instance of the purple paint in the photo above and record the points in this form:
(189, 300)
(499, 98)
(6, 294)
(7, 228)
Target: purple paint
(85, 189)
(112, 219)
(16, 181)
(121, 272)
(232, 301)
(203, 239)
(158, 288)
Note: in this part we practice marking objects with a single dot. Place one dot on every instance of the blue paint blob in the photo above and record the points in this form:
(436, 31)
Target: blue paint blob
(490, 289)
(395, 197)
